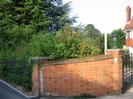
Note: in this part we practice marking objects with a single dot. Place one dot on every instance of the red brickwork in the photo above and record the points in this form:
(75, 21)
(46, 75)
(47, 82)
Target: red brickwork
(117, 68)
(96, 75)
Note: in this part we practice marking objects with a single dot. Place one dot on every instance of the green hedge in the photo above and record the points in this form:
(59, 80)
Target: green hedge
(64, 44)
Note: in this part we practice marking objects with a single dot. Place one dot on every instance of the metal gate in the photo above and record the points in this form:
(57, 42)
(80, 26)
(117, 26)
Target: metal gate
(127, 71)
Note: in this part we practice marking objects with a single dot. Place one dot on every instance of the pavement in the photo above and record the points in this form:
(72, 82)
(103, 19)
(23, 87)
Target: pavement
(56, 97)
(126, 95)
(8, 92)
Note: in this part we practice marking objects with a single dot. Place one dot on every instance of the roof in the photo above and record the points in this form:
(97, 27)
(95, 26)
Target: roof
(129, 25)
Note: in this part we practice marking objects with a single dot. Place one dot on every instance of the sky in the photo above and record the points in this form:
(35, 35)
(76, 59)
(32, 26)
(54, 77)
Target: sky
(106, 15)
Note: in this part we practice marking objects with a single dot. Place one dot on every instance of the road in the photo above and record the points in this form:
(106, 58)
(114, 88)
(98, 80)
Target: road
(8, 93)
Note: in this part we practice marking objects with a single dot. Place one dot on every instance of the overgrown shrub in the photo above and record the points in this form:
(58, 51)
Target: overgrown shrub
(63, 44)
(69, 44)
(40, 45)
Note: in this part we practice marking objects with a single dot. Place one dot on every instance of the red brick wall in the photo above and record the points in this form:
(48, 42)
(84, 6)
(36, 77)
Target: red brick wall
(97, 76)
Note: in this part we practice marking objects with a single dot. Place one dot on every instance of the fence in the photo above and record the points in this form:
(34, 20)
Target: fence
(127, 71)
(16, 72)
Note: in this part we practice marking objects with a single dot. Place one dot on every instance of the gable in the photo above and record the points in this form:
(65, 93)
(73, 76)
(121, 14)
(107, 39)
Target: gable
(129, 25)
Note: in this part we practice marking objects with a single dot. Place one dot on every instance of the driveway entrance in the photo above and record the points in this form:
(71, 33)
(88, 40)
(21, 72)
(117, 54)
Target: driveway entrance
(127, 71)
(126, 95)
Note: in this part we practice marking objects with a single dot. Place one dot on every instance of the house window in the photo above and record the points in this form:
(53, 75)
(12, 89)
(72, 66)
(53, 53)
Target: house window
(126, 36)
(131, 35)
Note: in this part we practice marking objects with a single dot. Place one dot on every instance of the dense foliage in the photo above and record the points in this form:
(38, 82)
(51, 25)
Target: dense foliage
(120, 41)
(63, 44)
(69, 44)
(31, 28)
(91, 31)
(34, 16)
(26, 27)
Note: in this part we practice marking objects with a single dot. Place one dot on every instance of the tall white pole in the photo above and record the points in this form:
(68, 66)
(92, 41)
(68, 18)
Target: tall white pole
(106, 26)
(105, 43)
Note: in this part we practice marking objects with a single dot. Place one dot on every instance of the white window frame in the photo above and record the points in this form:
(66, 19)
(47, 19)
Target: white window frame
(127, 35)
(131, 34)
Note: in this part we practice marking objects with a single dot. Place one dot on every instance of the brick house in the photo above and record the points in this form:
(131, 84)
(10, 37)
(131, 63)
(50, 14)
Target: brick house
(128, 29)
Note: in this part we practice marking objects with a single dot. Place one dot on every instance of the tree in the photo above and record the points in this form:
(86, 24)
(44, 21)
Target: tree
(28, 28)
(91, 31)
(100, 42)
(50, 15)
(64, 44)
(120, 38)
(59, 14)
(34, 16)
(69, 44)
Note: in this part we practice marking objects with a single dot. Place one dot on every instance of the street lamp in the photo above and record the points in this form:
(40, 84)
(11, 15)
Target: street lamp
(114, 38)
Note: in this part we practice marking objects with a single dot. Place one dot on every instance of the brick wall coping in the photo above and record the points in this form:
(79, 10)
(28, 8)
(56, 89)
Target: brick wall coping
(115, 50)
(77, 60)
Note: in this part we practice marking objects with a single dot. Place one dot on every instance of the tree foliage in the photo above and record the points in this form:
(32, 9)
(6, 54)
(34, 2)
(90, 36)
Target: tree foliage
(69, 44)
(43, 15)
(27, 28)
(91, 31)
(64, 44)
(120, 38)
(30, 28)
(20, 19)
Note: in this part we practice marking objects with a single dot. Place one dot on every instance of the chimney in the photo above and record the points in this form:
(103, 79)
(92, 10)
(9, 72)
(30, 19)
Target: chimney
(128, 14)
